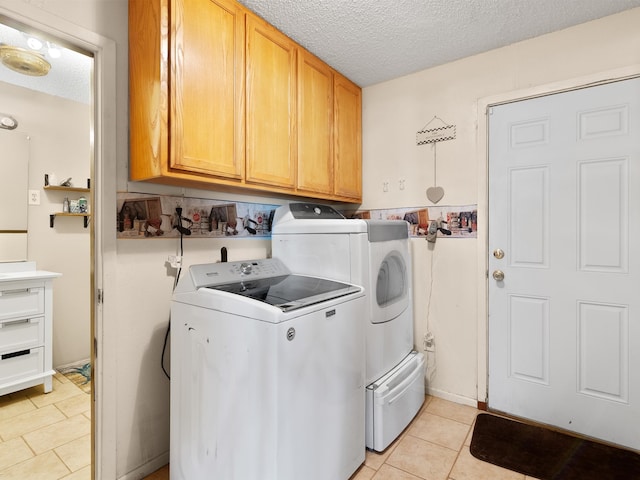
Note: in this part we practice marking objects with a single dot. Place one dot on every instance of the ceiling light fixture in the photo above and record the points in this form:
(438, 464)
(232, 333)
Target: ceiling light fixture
(8, 122)
(34, 43)
(53, 50)
(24, 61)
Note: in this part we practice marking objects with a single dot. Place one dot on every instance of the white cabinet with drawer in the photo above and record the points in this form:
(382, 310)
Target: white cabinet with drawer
(20, 334)
(20, 299)
(26, 305)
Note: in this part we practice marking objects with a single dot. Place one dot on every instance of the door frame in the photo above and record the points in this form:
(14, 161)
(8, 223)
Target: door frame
(103, 243)
(482, 149)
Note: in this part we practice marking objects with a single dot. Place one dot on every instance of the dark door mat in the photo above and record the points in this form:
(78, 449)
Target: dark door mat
(549, 455)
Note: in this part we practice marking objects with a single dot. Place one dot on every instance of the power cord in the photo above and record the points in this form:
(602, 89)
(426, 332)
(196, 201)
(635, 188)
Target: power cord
(175, 284)
(178, 226)
(429, 344)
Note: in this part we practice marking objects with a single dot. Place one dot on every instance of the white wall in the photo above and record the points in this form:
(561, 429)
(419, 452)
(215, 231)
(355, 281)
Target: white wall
(59, 143)
(451, 273)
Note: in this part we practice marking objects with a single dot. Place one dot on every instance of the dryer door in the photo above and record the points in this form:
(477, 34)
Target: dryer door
(390, 274)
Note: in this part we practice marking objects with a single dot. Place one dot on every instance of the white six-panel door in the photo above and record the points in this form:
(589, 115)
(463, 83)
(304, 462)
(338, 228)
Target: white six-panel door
(564, 210)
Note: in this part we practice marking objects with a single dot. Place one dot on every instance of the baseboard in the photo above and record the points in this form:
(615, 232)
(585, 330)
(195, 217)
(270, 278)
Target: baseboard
(452, 397)
(147, 469)
(73, 364)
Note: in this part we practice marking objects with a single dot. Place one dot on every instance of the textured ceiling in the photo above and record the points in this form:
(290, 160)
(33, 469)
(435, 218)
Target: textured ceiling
(371, 41)
(70, 75)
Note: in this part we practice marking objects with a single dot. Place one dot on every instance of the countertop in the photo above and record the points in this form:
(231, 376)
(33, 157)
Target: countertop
(15, 271)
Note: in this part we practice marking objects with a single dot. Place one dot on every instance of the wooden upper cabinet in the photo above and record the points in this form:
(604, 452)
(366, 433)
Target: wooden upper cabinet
(218, 97)
(315, 125)
(207, 47)
(347, 142)
(271, 105)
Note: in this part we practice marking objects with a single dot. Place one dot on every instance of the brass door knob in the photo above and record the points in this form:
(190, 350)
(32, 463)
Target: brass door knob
(498, 253)
(498, 275)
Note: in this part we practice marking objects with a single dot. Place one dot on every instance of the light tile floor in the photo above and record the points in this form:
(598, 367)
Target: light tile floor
(46, 436)
(435, 446)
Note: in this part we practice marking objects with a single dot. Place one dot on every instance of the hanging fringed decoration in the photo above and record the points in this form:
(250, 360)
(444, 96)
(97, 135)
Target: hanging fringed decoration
(432, 136)
(436, 134)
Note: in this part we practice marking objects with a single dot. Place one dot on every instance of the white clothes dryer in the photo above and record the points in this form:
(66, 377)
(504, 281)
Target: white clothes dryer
(315, 239)
(267, 374)
(390, 326)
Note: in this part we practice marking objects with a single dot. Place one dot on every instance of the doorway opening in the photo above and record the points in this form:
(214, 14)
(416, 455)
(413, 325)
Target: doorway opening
(47, 85)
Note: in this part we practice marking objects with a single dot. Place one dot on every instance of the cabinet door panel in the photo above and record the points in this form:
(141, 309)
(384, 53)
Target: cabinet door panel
(271, 115)
(208, 67)
(148, 89)
(347, 138)
(315, 125)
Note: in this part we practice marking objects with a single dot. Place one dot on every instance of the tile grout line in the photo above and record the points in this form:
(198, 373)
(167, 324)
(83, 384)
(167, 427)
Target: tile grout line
(449, 477)
(31, 400)
(63, 463)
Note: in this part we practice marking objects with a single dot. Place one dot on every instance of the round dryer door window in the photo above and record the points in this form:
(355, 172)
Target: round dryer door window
(391, 286)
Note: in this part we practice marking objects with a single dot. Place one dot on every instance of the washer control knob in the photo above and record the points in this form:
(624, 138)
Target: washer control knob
(317, 210)
(245, 268)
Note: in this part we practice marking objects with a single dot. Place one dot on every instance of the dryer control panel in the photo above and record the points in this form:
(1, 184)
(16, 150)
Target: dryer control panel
(313, 210)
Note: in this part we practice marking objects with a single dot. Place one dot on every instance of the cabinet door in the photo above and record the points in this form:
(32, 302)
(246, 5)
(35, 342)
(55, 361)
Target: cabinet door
(148, 84)
(271, 105)
(315, 124)
(347, 138)
(207, 47)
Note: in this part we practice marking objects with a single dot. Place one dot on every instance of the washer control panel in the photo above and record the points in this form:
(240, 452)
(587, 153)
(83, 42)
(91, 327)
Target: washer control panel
(210, 274)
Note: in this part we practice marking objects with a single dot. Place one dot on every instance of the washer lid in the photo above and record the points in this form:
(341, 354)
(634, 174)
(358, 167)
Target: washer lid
(289, 292)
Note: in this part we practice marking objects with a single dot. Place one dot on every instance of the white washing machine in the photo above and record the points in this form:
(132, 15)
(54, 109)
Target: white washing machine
(316, 239)
(267, 374)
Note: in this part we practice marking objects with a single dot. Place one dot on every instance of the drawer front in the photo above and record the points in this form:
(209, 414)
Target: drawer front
(18, 365)
(20, 302)
(21, 334)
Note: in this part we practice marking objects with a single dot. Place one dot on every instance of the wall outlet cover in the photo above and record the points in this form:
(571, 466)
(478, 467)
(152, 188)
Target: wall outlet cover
(34, 197)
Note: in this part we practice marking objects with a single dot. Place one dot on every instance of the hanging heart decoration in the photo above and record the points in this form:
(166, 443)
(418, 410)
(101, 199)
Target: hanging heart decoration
(435, 194)
(433, 136)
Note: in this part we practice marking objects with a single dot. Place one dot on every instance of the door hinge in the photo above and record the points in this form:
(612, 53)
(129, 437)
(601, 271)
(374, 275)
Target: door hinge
(100, 296)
